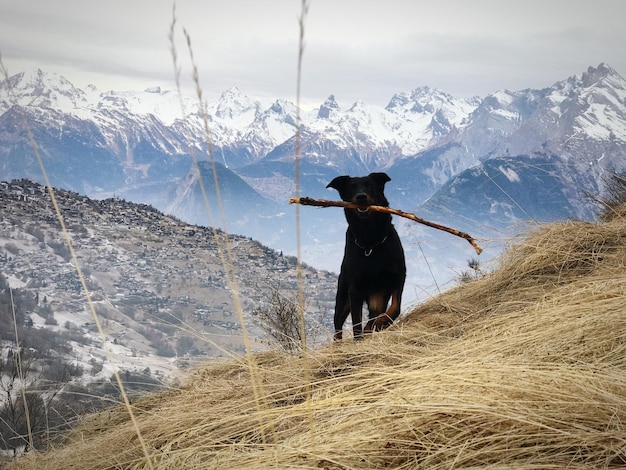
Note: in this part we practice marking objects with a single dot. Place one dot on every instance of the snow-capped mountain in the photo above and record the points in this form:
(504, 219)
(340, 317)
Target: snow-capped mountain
(582, 116)
(374, 137)
(90, 142)
(243, 130)
(436, 112)
(559, 143)
(40, 89)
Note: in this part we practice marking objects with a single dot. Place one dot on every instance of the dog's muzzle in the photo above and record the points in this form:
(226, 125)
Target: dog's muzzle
(363, 212)
(362, 200)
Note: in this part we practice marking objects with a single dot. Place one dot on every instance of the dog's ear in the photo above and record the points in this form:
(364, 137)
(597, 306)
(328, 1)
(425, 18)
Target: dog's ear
(380, 178)
(338, 183)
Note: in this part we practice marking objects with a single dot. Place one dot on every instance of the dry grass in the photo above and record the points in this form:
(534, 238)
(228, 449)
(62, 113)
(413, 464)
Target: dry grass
(524, 368)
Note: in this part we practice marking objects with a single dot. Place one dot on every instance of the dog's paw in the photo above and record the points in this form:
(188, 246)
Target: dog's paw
(378, 323)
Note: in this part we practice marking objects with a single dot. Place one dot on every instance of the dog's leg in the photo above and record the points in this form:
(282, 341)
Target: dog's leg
(376, 304)
(383, 320)
(356, 309)
(341, 313)
(342, 309)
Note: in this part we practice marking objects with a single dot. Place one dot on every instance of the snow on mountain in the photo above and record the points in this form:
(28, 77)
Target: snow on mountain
(40, 89)
(270, 128)
(431, 110)
(445, 134)
(361, 129)
(601, 101)
(375, 135)
(581, 118)
(581, 109)
(591, 106)
(235, 107)
(164, 104)
(244, 129)
(328, 109)
(36, 88)
(363, 138)
(535, 154)
(409, 123)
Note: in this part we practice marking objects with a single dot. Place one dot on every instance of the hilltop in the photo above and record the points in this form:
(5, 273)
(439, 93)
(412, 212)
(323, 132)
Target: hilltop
(524, 367)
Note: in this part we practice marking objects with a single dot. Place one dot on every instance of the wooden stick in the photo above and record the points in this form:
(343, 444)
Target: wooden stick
(307, 201)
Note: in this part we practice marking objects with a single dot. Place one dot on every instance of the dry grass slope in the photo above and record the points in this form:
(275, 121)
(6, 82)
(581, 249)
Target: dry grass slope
(524, 368)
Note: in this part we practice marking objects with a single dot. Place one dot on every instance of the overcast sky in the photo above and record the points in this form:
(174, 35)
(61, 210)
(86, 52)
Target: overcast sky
(354, 49)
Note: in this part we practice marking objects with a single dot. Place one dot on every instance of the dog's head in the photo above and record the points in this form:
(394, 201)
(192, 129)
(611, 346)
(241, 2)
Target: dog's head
(363, 190)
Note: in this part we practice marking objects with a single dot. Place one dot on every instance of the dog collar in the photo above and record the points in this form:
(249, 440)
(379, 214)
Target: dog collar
(368, 250)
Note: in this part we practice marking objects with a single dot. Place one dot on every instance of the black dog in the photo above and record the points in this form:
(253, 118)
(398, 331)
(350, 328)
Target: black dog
(373, 268)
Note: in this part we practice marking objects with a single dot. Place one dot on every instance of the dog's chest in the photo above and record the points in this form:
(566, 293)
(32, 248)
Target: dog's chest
(374, 265)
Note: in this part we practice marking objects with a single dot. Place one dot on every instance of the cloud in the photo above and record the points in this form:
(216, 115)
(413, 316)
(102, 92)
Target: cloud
(354, 49)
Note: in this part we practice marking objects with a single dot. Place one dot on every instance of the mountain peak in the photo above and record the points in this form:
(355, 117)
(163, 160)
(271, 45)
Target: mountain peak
(37, 79)
(401, 99)
(595, 74)
(358, 104)
(331, 102)
(329, 107)
(38, 88)
(232, 91)
(233, 103)
(422, 99)
(32, 76)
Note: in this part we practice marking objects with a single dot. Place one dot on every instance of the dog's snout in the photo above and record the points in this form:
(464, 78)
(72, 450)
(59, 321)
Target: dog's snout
(360, 198)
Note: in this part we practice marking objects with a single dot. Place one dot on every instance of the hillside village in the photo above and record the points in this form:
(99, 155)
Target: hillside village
(158, 285)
